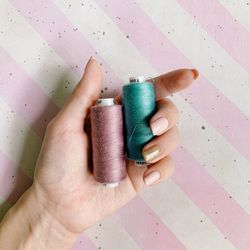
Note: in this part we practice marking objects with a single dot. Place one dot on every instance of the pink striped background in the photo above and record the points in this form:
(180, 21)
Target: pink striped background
(32, 105)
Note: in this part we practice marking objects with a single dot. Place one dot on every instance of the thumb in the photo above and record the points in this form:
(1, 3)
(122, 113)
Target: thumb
(84, 95)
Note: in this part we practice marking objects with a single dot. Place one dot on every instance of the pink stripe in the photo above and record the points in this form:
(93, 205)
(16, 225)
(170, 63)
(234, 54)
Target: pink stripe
(62, 36)
(222, 26)
(215, 202)
(83, 243)
(13, 181)
(24, 96)
(163, 55)
(147, 228)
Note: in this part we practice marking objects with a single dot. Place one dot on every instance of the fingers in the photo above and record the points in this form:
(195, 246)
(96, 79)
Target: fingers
(157, 151)
(141, 177)
(84, 95)
(159, 171)
(161, 146)
(165, 118)
(173, 82)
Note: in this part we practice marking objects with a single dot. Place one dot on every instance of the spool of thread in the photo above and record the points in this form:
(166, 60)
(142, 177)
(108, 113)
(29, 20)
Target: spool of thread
(109, 166)
(139, 107)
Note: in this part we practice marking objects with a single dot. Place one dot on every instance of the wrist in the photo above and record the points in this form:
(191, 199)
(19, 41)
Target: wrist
(33, 226)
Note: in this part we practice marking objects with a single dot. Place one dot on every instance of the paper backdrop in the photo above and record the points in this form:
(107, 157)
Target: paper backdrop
(44, 45)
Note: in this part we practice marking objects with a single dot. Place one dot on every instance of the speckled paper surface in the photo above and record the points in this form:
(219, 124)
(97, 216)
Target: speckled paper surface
(44, 45)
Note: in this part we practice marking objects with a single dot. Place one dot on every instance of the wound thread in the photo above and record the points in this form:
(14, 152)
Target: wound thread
(109, 166)
(139, 107)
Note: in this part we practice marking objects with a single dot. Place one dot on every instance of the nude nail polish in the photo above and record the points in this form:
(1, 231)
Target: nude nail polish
(159, 126)
(152, 178)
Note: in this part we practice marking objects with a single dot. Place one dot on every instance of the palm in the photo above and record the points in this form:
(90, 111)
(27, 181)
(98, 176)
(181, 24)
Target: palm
(63, 175)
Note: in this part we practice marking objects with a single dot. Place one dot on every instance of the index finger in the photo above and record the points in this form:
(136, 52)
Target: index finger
(173, 82)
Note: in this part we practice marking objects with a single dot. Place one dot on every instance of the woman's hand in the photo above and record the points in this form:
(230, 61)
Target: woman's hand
(64, 187)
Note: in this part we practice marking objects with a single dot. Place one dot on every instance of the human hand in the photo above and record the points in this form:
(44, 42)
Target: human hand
(63, 178)
(64, 186)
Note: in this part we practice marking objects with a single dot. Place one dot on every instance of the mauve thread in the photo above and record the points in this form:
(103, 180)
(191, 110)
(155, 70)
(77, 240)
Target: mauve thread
(109, 165)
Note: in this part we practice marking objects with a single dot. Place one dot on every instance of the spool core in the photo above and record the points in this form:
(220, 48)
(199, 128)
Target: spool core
(105, 102)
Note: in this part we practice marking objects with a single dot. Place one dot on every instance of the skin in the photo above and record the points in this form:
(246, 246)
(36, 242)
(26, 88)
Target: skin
(64, 199)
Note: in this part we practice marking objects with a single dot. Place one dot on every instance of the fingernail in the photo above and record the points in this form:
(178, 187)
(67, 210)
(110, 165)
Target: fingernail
(151, 153)
(152, 178)
(92, 58)
(195, 73)
(159, 126)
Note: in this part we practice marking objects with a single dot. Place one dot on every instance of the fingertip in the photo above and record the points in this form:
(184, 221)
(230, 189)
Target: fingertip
(92, 68)
(195, 73)
(159, 125)
(152, 177)
(159, 171)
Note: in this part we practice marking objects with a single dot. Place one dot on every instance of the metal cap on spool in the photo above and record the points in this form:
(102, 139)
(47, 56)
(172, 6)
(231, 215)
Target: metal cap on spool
(111, 185)
(105, 102)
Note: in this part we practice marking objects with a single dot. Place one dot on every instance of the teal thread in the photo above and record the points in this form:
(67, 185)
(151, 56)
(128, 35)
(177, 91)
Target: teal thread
(139, 107)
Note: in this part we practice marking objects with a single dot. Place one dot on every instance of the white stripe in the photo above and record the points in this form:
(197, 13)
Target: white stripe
(186, 220)
(100, 234)
(202, 50)
(240, 9)
(34, 55)
(133, 63)
(112, 45)
(17, 141)
(217, 156)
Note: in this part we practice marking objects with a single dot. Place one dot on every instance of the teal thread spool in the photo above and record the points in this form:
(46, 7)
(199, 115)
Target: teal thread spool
(139, 107)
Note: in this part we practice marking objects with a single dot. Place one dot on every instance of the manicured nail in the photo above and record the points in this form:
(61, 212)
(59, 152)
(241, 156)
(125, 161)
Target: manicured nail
(159, 126)
(195, 73)
(151, 153)
(152, 178)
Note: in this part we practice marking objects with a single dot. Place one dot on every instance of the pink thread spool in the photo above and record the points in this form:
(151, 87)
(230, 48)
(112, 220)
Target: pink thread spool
(109, 165)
